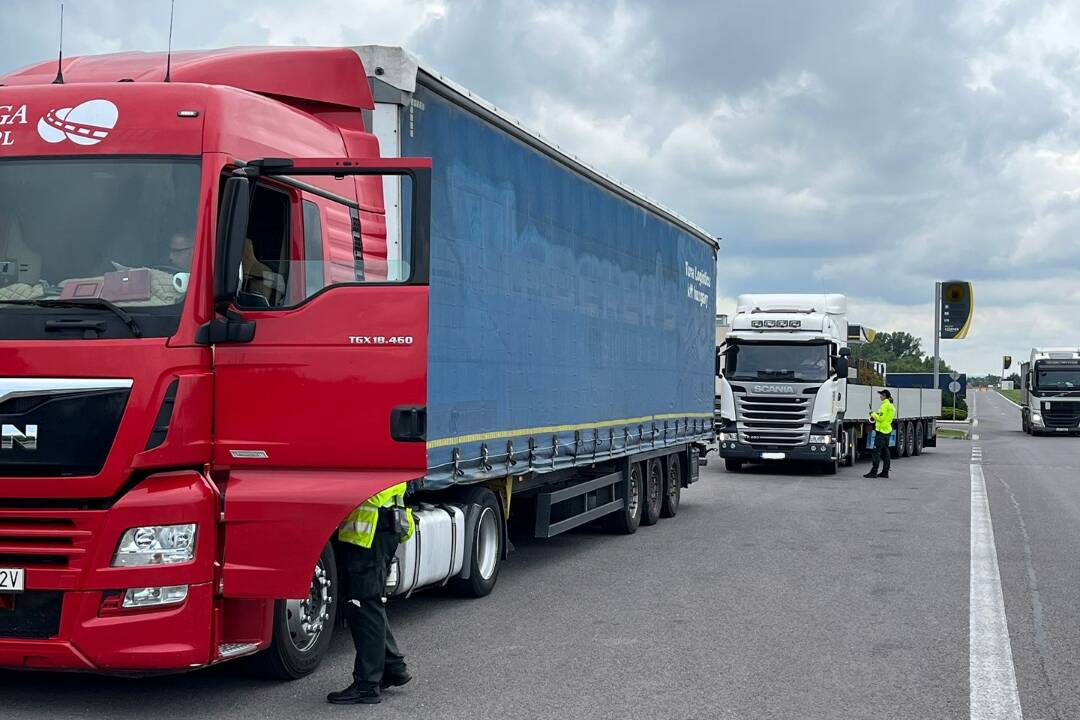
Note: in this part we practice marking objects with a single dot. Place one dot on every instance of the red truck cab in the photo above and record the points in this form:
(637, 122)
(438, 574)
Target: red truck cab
(188, 402)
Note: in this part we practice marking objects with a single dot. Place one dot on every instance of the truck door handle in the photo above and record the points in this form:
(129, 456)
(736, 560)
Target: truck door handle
(408, 423)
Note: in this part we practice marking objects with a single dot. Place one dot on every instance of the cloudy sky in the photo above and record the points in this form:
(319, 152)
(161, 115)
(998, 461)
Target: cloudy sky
(862, 147)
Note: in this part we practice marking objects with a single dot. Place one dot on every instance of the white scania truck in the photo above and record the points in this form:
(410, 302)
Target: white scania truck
(789, 391)
(1050, 391)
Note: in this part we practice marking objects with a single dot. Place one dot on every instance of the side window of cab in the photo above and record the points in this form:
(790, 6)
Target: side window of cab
(304, 238)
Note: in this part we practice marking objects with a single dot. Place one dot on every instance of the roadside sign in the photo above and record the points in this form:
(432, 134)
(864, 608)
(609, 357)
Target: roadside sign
(954, 376)
(954, 387)
(957, 306)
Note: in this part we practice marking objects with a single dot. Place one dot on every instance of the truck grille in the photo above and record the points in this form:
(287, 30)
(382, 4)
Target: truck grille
(774, 420)
(44, 540)
(1062, 415)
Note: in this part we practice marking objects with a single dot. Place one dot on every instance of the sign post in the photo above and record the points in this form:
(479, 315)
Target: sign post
(937, 332)
(954, 387)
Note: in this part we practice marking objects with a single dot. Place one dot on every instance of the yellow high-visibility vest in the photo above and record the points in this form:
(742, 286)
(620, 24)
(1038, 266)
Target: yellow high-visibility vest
(359, 526)
(883, 418)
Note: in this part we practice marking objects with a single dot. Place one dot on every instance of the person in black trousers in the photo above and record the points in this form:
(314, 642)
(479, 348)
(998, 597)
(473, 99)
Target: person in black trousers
(883, 422)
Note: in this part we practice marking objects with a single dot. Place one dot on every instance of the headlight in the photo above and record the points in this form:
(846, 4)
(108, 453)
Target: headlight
(155, 545)
(821, 439)
(1036, 418)
(729, 437)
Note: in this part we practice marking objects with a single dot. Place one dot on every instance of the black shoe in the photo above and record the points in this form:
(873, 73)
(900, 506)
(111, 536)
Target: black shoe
(395, 679)
(870, 474)
(883, 475)
(355, 695)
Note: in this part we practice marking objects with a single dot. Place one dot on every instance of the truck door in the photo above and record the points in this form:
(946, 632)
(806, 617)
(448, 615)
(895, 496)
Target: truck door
(324, 405)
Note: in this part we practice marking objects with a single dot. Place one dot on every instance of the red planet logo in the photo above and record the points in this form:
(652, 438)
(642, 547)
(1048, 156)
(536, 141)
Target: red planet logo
(87, 123)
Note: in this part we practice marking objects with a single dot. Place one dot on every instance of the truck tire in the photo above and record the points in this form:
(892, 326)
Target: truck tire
(672, 486)
(897, 450)
(852, 454)
(920, 436)
(654, 492)
(627, 520)
(302, 628)
(831, 467)
(733, 464)
(909, 439)
(485, 557)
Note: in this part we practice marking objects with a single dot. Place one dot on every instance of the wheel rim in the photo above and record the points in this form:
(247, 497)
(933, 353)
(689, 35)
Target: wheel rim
(633, 491)
(654, 485)
(487, 544)
(307, 618)
(674, 478)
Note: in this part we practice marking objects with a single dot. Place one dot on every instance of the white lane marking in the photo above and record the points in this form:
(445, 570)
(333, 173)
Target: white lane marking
(1015, 405)
(991, 674)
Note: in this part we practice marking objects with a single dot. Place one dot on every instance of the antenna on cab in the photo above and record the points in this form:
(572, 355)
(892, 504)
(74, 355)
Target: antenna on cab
(59, 79)
(168, 55)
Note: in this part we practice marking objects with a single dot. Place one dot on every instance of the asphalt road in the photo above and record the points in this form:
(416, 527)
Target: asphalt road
(1034, 488)
(771, 595)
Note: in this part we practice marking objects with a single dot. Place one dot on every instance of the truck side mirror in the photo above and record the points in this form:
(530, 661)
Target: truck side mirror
(232, 229)
(719, 361)
(842, 365)
(845, 352)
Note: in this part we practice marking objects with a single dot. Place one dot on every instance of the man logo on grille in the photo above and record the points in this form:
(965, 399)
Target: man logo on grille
(87, 123)
(10, 436)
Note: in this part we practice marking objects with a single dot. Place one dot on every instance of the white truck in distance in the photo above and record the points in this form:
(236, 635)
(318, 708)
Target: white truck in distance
(1050, 391)
(788, 390)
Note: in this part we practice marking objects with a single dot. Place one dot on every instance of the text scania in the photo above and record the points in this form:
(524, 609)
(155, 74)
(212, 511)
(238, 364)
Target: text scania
(703, 279)
(10, 115)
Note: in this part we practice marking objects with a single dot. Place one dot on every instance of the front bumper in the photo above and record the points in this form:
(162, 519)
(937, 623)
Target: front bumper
(166, 640)
(59, 622)
(743, 451)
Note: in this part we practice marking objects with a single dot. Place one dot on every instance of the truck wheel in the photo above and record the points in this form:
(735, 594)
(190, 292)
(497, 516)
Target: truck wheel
(302, 628)
(626, 521)
(654, 491)
(909, 439)
(920, 436)
(672, 487)
(852, 453)
(897, 450)
(485, 556)
(831, 467)
(733, 464)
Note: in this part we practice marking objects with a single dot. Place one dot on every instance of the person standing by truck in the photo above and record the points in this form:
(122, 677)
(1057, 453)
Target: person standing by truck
(883, 420)
(369, 537)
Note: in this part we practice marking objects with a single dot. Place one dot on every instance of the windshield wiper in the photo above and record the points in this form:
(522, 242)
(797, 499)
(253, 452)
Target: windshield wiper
(102, 303)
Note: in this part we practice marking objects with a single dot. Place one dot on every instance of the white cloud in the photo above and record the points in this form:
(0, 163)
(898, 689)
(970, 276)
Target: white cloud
(869, 149)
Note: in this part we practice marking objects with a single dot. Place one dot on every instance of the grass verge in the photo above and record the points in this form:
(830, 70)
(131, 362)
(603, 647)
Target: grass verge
(1013, 395)
(951, 434)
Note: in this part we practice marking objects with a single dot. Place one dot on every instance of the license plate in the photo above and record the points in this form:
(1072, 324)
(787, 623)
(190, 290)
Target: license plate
(12, 580)
(773, 456)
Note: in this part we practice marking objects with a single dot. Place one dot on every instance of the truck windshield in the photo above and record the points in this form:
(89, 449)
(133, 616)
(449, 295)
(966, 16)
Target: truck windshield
(1058, 379)
(93, 232)
(780, 361)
